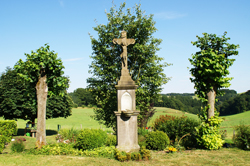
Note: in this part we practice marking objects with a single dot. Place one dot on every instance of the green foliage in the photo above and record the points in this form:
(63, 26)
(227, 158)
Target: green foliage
(157, 140)
(111, 140)
(207, 134)
(211, 64)
(59, 106)
(2, 142)
(182, 102)
(16, 103)
(90, 139)
(108, 152)
(142, 131)
(228, 94)
(142, 141)
(68, 149)
(40, 63)
(82, 96)
(142, 154)
(242, 137)
(145, 66)
(55, 149)
(8, 128)
(177, 127)
(18, 146)
(69, 134)
(235, 105)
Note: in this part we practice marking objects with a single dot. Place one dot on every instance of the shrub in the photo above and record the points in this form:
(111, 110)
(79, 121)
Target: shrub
(157, 140)
(142, 141)
(18, 145)
(108, 152)
(242, 137)
(69, 134)
(142, 131)
(207, 133)
(7, 129)
(142, 154)
(55, 149)
(67, 149)
(75, 105)
(90, 139)
(2, 142)
(177, 127)
(111, 140)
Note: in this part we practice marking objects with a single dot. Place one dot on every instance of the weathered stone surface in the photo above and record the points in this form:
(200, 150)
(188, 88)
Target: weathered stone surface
(127, 135)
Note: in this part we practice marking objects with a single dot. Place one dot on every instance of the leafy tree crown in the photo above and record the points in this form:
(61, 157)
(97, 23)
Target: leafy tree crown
(211, 63)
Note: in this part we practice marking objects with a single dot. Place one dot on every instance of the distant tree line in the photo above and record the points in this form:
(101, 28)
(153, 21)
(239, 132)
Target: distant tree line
(235, 104)
(82, 97)
(180, 101)
(228, 104)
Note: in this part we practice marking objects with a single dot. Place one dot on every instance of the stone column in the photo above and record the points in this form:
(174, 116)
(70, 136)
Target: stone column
(127, 134)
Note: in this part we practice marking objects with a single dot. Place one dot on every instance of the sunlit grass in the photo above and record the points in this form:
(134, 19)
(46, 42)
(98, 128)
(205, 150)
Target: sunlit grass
(222, 157)
(81, 118)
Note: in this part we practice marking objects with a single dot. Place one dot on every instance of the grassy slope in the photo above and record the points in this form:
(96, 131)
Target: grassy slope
(230, 156)
(233, 120)
(82, 116)
(79, 117)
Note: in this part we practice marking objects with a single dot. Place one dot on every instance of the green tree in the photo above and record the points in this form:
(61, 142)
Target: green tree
(82, 96)
(211, 65)
(145, 66)
(43, 70)
(16, 103)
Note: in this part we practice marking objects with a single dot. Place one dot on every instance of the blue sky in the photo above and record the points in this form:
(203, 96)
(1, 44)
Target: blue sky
(27, 25)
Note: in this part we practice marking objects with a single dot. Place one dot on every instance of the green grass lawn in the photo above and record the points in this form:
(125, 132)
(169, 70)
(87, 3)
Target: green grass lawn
(234, 120)
(222, 157)
(81, 117)
(231, 156)
(169, 111)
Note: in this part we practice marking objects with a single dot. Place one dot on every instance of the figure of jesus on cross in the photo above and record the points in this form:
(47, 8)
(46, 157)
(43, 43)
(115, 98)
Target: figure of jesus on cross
(124, 42)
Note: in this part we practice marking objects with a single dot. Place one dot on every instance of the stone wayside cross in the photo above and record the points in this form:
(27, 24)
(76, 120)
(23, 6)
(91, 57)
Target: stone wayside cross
(124, 42)
(126, 114)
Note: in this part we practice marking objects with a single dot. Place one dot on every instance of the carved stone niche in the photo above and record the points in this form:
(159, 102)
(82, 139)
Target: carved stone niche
(127, 135)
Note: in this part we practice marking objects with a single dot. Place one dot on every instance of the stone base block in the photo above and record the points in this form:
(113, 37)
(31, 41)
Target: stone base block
(131, 148)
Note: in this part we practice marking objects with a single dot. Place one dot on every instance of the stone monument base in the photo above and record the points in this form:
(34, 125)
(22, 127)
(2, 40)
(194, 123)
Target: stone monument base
(127, 134)
(130, 148)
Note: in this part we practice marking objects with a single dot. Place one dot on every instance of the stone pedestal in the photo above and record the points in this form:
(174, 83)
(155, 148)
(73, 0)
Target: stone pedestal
(127, 134)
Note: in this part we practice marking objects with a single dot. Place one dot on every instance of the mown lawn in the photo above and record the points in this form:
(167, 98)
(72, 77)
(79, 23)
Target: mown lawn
(81, 117)
(231, 156)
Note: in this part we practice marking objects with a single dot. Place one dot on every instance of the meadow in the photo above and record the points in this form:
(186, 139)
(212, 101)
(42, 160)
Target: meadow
(81, 118)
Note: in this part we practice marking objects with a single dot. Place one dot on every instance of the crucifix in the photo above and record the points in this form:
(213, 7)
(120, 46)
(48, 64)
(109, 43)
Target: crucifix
(124, 42)
(126, 114)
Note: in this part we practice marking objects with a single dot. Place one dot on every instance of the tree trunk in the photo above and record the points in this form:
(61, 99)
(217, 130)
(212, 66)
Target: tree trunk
(41, 91)
(211, 102)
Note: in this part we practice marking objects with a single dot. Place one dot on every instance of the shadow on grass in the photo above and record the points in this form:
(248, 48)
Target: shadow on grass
(21, 132)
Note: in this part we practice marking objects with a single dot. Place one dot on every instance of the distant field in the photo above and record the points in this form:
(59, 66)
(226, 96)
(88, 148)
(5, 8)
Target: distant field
(81, 117)
(169, 111)
(233, 120)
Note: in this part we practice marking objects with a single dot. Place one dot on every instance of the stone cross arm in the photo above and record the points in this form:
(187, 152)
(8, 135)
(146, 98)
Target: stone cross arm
(124, 42)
